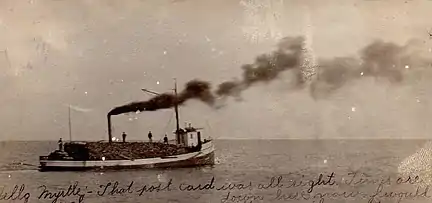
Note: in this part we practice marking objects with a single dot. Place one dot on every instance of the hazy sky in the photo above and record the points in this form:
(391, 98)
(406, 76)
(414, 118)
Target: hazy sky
(97, 54)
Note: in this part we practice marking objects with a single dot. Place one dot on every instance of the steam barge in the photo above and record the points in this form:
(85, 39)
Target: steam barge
(189, 150)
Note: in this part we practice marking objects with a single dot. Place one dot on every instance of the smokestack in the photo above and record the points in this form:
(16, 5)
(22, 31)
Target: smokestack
(109, 129)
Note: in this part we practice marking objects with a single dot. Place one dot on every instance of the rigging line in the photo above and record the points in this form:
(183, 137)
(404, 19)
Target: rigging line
(167, 125)
(169, 122)
(210, 129)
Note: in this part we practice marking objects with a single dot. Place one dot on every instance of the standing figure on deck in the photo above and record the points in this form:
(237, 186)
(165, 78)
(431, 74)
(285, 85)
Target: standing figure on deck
(165, 139)
(124, 136)
(60, 144)
(150, 136)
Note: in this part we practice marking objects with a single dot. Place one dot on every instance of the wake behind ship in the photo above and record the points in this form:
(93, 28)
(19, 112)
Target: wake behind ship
(189, 150)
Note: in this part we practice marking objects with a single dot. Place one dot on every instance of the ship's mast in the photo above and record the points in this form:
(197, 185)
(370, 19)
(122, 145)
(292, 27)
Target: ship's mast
(176, 112)
(177, 132)
(70, 124)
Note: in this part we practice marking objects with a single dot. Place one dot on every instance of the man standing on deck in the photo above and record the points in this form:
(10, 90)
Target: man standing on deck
(166, 139)
(124, 136)
(150, 136)
(60, 144)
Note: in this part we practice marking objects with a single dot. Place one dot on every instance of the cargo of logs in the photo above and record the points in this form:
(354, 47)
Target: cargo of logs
(132, 150)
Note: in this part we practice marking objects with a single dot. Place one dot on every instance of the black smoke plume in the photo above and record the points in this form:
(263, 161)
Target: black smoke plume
(379, 59)
(267, 67)
(194, 89)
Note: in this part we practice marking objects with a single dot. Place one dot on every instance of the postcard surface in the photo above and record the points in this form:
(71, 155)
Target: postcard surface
(215, 101)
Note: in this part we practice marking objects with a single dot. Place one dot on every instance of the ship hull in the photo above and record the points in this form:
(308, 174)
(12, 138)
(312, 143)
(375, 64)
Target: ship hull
(203, 157)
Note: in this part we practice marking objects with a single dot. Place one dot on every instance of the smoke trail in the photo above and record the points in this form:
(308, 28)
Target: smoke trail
(267, 67)
(379, 60)
(195, 89)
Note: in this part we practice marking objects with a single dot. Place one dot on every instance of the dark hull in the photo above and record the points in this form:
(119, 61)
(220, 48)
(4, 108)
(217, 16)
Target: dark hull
(207, 160)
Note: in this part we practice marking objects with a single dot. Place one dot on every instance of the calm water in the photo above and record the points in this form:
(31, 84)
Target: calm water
(238, 161)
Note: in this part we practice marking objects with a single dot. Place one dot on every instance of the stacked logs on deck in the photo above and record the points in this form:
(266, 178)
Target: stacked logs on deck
(132, 150)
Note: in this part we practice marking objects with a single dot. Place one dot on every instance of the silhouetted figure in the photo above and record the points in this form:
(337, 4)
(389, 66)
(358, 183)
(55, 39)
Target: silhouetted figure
(199, 145)
(124, 136)
(60, 144)
(166, 139)
(150, 136)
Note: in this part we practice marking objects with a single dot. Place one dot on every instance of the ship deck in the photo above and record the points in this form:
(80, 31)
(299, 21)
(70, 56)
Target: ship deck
(118, 151)
(204, 156)
(132, 150)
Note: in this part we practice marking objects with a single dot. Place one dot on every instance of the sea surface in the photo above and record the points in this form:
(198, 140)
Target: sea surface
(247, 162)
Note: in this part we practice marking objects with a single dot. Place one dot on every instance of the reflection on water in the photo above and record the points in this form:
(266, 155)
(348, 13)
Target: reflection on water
(239, 161)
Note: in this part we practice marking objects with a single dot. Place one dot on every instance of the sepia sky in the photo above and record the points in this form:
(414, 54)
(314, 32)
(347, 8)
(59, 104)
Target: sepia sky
(98, 54)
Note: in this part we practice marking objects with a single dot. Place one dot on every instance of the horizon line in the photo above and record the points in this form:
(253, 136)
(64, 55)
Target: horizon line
(240, 139)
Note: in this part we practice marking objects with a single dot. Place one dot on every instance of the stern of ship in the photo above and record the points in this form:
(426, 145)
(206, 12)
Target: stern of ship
(73, 151)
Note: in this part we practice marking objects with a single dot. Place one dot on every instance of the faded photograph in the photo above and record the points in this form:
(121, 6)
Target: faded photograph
(219, 101)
